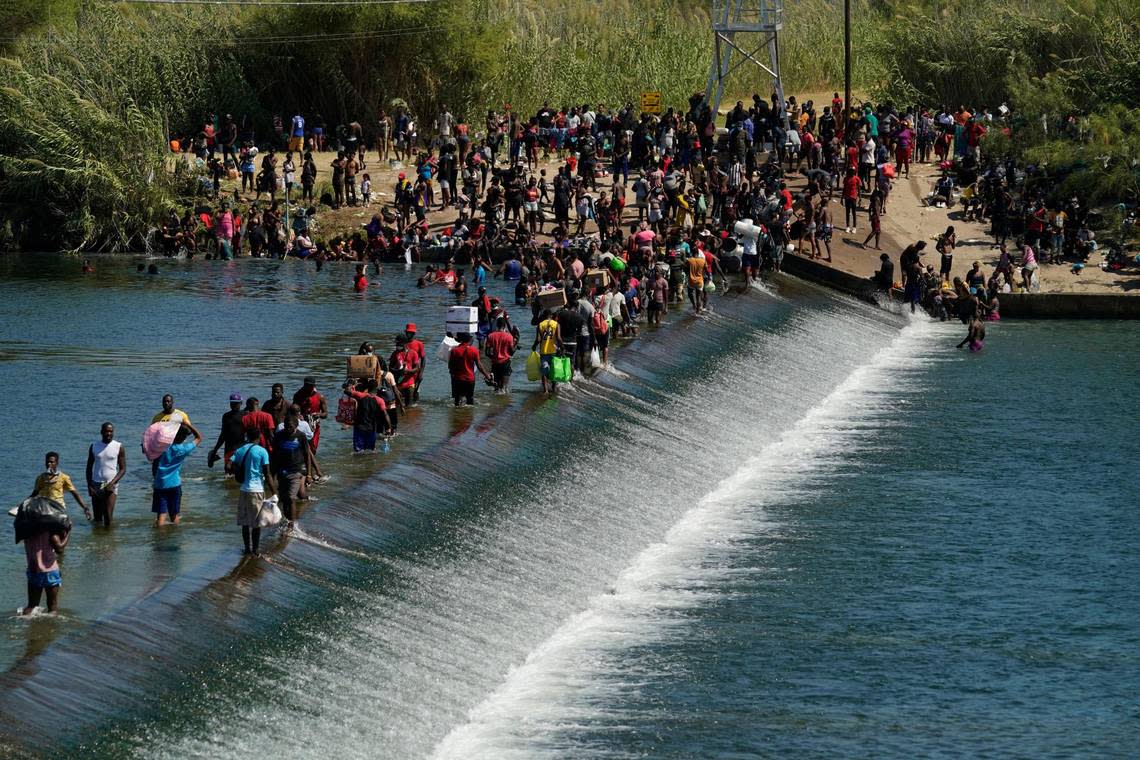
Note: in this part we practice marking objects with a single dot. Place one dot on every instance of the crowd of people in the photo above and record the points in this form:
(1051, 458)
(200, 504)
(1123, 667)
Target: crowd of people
(646, 212)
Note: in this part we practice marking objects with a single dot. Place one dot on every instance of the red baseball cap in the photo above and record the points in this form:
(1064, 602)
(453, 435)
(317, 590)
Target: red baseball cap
(410, 327)
(403, 176)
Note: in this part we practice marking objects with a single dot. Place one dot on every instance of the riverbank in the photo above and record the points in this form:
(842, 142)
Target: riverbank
(1092, 294)
(1104, 294)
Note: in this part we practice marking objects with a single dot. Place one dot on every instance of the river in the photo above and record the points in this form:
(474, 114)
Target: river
(798, 526)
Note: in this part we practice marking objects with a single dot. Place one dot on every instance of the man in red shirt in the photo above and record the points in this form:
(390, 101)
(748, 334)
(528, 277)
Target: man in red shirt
(416, 346)
(501, 346)
(314, 408)
(255, 420)
(975, 131)
(462, 363)
(786, 196)
(851, 188)
(404, 364)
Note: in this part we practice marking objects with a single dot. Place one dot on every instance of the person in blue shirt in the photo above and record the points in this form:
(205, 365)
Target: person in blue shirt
(166, 500)
(251, 468)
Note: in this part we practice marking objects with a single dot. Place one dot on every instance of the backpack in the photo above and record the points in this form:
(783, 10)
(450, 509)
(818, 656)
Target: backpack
(601, 326)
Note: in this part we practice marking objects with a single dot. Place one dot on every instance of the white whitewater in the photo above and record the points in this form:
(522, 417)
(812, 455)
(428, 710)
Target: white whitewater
(559, 686)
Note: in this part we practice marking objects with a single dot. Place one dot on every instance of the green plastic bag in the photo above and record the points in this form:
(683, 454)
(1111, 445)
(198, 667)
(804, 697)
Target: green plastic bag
(560, 369)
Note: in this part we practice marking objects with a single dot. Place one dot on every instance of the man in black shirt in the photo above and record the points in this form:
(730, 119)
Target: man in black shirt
(370, 419)
(233, 432)
(570, 324)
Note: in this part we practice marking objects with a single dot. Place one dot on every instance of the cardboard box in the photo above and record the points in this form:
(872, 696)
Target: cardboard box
(552, 299)
(462, 319)
(597, 278)
(362, 366)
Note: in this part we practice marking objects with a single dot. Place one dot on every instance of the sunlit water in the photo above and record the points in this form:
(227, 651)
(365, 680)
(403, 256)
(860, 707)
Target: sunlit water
(798, 526)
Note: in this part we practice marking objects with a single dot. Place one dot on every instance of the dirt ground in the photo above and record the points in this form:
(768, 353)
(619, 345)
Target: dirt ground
(908, 220)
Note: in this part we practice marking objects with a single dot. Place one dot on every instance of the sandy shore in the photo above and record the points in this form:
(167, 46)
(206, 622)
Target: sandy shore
(908, 220)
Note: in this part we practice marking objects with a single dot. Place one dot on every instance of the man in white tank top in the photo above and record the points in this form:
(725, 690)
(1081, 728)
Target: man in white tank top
(106, 465)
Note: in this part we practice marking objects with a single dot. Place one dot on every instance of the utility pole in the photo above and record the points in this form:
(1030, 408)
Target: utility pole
(846, 59)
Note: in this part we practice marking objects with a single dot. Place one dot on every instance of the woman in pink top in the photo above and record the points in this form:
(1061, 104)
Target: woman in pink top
(903, 140)
(225, 232)
(1028, 265)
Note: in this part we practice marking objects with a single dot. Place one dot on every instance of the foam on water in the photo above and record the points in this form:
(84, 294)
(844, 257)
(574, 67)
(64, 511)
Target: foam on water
(532, 704)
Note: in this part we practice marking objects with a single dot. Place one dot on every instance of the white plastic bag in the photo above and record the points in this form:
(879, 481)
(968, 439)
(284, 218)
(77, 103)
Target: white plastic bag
(269, 514)
(595, 358)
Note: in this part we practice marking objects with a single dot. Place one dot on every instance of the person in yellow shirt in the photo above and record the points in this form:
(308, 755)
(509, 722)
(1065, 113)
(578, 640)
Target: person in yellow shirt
(52, 483)
(169, 413)
(547, 342)
(697, 267)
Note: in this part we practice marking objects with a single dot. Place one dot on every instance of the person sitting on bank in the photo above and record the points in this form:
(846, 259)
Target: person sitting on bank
(884, 279)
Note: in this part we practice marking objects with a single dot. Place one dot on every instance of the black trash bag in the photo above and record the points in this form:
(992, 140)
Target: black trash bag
(37, 514)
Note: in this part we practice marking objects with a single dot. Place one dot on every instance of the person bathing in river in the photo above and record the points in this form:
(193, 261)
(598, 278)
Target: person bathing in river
(975, 336)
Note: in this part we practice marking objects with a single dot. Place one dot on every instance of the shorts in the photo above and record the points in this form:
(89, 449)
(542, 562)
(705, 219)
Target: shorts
(166, 501)
(656, 306)
(501, 371)
(295, 144)
(249, 507)
(50, 579)
(851, 203)
(531, 207)
(601, 340)
(484, 330)
(288, 488)
(545, 364)
(363, 440)
(463, 389)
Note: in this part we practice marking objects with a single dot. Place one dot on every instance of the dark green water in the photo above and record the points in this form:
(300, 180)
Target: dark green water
(800, 527)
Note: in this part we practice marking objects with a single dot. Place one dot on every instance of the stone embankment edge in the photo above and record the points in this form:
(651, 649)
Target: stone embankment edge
(1013, 305)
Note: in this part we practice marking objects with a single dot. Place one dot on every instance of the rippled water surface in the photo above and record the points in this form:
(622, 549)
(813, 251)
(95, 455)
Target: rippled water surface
(797, 527)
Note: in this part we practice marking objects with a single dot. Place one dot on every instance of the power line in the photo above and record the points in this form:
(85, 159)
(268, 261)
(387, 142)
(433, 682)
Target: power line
(271, 3)
(298, 38)
(330, 37)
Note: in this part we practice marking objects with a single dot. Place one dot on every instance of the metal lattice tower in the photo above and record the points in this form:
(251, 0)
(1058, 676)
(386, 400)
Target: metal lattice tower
(760, 22)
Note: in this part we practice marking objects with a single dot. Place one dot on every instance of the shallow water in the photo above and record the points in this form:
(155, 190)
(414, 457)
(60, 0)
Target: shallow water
(796, 527)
